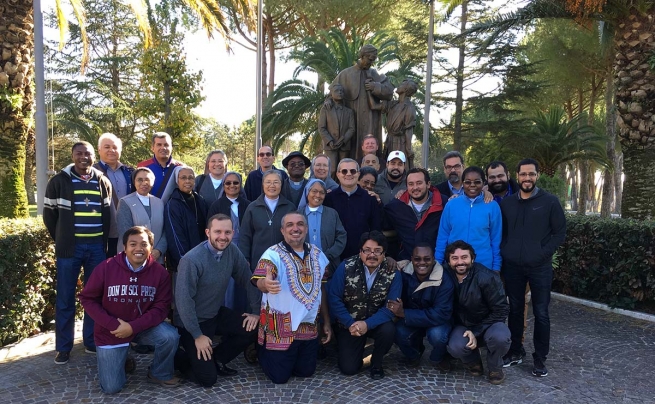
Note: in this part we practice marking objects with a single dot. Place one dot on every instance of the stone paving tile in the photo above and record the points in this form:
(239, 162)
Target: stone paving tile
(596, 357)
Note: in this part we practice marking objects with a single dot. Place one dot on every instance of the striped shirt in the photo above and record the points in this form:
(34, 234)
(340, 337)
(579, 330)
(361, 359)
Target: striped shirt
(87, 203)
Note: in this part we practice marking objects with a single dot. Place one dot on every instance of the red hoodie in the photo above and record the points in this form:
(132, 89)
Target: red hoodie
(113, 291)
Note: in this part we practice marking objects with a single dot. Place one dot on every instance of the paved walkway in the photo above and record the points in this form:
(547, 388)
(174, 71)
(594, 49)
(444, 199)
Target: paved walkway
(597, 357)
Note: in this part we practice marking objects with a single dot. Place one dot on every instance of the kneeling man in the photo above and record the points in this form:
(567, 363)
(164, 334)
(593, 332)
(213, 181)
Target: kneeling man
(290, 275)
(202, 279)
(481, 309)
(426, 308)
(358, 295)
(128, 296)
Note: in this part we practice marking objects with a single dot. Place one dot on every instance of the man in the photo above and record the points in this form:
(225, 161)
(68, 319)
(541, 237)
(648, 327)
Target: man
(162, 163)
(371, 160)
(359, 212)
(290, 275)
(296, 164)
(357, 82)
(425, 309)
(265, 159)
(391, 182)
(76, 214)
(120, 176)
(480, 312)
(453, 167)
(534, 227)
(129, 297)
(336, 125)
(358, 294)
(202, 279)
(499, 182)
(417, 214)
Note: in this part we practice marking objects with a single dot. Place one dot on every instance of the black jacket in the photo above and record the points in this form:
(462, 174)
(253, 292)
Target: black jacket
(480, 299)
(533, 229)
(444, 188)
(182, 228)
(224, 206)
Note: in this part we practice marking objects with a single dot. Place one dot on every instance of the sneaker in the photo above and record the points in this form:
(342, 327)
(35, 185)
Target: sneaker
(62, 358)
(475, 368)
(539, 368)
(496, 377)
(90, 350)
(512, 359)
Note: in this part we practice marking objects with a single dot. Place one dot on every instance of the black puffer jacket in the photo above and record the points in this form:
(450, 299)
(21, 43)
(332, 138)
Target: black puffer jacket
(480, 299)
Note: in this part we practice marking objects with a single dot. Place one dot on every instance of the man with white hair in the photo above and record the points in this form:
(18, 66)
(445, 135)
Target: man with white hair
(109, 149)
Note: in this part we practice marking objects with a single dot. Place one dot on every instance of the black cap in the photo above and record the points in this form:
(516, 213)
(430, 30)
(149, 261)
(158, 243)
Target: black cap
(293, 154)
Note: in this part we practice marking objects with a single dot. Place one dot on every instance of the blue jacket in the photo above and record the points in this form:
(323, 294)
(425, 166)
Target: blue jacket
(428, 303)
(477, 223)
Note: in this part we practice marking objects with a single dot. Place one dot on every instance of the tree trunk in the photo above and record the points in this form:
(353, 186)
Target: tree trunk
(271, 56)
(459, 97)
(16, 99)
(30, 167)
(635, 94)
(618, 183)
(574, 187)
(583, 194)
(610, 130)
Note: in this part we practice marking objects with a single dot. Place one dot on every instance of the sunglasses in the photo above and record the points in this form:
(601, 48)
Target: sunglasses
(230, 183)
(267, 154)
(345, 171)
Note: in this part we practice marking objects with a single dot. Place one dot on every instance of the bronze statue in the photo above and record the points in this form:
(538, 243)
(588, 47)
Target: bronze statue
(358, 82)
(336, 125)
(401, 119)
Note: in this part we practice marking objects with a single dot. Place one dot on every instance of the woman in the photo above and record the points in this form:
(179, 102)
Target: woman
(324, 228)
(233, 203)
(210, 184)
(262, 220)
(368, 177)
(320, 169)
(142, 209)
(185, 216)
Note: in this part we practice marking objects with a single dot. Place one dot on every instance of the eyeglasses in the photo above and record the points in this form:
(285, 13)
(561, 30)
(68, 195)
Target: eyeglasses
(230, 183)
(269, 183)
(267, 154)
(368, 183)
(469, 182)
(345, 171)
(525, 175)
(317, 191)
(296, 164)
(186, 178)
(377, 252)
(455, 167)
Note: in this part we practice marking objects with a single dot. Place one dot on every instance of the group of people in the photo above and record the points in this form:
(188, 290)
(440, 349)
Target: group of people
(288, 263)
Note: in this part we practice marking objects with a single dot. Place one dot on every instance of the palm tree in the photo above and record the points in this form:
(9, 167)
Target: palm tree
(17, 72)
(629, 32)
(294, 106)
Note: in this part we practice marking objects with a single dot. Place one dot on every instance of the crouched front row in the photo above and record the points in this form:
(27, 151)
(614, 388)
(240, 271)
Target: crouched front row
(293, 308)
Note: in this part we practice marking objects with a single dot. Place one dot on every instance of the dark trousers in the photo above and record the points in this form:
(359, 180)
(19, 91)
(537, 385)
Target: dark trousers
(234, 340)
(299, 360)
(112, 247)
(496, 338)
(351, 348)
(540, 281)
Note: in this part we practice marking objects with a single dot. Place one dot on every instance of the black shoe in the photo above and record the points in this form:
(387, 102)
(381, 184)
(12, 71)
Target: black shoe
(444, 365)
(539, 368)
(377, 373)
(496, 377)
(475, 368)
(62, 358)
(90, 350)
(250, 353)
(512, 359)
(130, 364)
(412, 363)
(223, 370)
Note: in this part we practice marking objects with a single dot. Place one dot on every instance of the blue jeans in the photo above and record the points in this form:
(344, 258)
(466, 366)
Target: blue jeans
(410, 340)
(540, 281)
(111, 361)
(68, 271)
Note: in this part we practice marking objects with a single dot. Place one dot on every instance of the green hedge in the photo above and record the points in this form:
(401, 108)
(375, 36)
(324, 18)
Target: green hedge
(608, 260)
(27, 270)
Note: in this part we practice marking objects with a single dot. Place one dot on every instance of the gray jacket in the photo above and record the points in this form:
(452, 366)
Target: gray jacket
(384, 190)
(333, 236)
(131, 212)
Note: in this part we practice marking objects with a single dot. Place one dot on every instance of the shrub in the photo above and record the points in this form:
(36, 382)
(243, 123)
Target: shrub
(555, 185)
(27, 270)
(608, 260)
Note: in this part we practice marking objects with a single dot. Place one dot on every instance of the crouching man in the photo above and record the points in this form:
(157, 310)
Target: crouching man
(426, 308)
(481, 309)
(129, 296)
(290, 275)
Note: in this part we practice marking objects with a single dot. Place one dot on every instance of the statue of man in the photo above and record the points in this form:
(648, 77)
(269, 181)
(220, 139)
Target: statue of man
(357, 82)
(336, 125)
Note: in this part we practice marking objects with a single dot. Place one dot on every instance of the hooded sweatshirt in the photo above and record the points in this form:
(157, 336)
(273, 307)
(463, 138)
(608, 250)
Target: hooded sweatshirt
(114, 291)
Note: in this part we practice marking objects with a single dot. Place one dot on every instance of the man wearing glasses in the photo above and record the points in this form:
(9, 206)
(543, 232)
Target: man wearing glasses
(359, 212)
(453, 166)
(357, 296)
(534, 226)
(296, 164)
(470, 219)
(253, 185)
